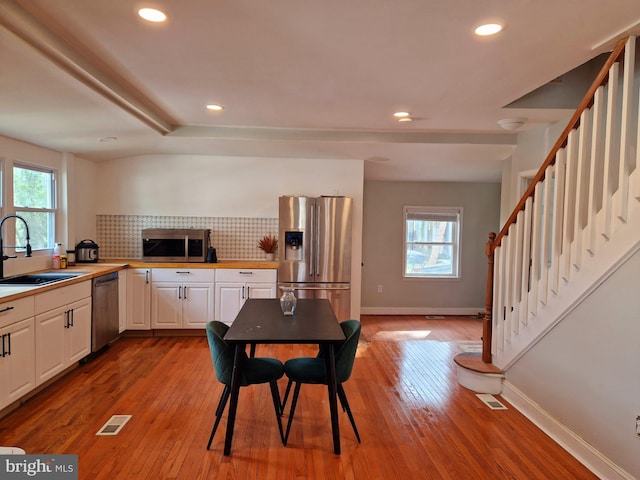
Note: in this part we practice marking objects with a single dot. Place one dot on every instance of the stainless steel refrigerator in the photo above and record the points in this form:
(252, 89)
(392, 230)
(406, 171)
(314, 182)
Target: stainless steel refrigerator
(314, 252)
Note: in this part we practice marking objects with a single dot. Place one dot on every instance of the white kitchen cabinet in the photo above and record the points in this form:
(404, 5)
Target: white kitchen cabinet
(122, 301)
(62, 329)
(138, 299)
(182, 298)
(17, 350)
(234, 287)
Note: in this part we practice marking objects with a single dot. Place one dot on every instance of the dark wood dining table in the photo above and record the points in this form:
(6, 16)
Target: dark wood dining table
(261, 321)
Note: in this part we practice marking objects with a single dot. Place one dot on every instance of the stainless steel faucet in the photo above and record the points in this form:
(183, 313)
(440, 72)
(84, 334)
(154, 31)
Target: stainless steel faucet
(2, 247)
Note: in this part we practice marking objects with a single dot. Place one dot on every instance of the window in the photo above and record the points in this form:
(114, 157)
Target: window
(34, 195)
(432, 242)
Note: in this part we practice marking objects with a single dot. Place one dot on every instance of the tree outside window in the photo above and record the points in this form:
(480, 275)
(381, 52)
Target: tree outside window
(34, 200)
(432, 242)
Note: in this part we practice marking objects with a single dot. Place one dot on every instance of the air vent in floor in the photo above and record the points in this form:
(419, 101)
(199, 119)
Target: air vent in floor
(114, 425)
(491, 401)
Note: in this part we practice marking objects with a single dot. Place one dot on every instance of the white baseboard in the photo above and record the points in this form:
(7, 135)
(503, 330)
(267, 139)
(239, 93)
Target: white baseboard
(420, 311)
(572, 443)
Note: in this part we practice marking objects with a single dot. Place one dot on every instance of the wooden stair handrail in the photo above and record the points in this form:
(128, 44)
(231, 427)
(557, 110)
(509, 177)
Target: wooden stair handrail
(586, 102)
(495, 240)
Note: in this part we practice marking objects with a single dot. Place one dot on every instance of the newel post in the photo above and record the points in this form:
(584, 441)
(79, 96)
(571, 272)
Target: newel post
(488, 303)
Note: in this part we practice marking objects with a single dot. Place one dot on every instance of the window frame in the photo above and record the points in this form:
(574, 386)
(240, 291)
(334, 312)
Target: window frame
(455, 243)
(54, 210)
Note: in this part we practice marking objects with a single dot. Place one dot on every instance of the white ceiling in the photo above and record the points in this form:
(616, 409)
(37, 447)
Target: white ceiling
(298, 79)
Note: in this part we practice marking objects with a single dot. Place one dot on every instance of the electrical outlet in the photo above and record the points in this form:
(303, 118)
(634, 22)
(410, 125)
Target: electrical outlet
(638, 425)
(379, 288)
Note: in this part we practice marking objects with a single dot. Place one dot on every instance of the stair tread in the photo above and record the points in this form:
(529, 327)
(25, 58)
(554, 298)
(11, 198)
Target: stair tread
(473, 361)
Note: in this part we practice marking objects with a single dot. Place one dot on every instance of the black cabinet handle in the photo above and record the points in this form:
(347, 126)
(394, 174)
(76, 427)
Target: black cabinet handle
(66, 319)
(8, 343)
(71, 318)
(180, 292)
(4, 350)
(185, 292)
(6, 309)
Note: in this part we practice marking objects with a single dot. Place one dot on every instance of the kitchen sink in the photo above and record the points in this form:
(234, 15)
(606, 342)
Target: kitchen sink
(38, 279)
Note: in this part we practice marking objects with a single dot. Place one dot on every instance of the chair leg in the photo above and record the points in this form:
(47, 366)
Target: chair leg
(294, 401)
(275, 394)
(286, 395)
(345, 405)
(219, 409)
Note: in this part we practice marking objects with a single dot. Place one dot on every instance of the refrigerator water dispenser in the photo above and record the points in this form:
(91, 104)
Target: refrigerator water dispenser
(293, 245)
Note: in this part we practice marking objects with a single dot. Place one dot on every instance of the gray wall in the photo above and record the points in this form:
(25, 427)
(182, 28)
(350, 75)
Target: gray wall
(584, 372)
(383, 243)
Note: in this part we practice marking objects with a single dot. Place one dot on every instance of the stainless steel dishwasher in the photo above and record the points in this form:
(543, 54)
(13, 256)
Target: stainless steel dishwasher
(104, 311)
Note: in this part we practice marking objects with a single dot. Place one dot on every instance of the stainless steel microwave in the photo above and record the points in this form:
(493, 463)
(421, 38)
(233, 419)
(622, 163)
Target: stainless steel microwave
(175, 244)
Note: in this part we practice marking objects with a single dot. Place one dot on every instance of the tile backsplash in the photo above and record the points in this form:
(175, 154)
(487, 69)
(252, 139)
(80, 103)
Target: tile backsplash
(119, 236)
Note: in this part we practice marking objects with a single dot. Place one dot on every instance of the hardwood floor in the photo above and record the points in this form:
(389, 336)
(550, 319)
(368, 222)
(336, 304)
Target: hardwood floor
(414, 419)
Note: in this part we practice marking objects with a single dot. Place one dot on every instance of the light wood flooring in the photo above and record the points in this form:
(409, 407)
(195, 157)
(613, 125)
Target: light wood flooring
(414, 419)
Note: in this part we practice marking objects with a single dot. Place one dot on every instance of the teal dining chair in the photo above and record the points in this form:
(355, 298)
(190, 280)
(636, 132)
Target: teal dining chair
(313, 371)
(255, 371)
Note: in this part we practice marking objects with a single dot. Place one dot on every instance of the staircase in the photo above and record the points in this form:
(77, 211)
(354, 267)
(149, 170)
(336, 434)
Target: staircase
(575, 225)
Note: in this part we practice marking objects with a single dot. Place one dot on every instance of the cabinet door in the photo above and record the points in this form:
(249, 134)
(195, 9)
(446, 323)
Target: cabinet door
(229, 299)
(261, 290)
(18, 368)
(50, 343)
(122, 301)
(138, 299)
(78, 335)
(166, 305)
(197, 305)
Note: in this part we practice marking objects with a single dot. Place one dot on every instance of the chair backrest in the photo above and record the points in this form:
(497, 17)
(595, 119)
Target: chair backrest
(346, 353)
(221, 351)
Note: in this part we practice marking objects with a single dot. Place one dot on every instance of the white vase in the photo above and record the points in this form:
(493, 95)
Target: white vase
(270, 257)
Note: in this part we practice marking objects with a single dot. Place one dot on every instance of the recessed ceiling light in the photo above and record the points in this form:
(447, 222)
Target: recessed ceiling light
(401, 114)
(215, 107)
(152, 15)
(488, 29)
(107, 139)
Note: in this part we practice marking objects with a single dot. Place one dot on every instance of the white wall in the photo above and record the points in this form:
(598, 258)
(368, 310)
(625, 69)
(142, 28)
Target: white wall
(584, 373)
(201, 185)
(14, 151)
(533, 147)
(82, 200)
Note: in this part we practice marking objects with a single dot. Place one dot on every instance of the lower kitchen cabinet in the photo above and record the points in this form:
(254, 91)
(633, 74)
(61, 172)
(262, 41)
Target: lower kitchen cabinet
(122, 301)
(234, 287)
(63, 329)
(138, 299)
(182, 298)
(17, 363)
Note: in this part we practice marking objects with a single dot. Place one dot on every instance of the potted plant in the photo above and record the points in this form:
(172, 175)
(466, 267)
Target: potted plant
(268, 244)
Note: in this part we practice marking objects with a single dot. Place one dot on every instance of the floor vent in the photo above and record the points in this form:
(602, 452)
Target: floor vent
(114, 425)
(491, 401)
(435, 317)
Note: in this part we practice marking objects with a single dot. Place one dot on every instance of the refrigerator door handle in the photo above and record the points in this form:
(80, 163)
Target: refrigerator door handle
(312, 243)
(334, 287)
(316, 239)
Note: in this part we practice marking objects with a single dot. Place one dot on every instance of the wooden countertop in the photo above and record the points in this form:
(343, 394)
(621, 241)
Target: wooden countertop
(138, 263)
(89, 271)
(92, 270)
